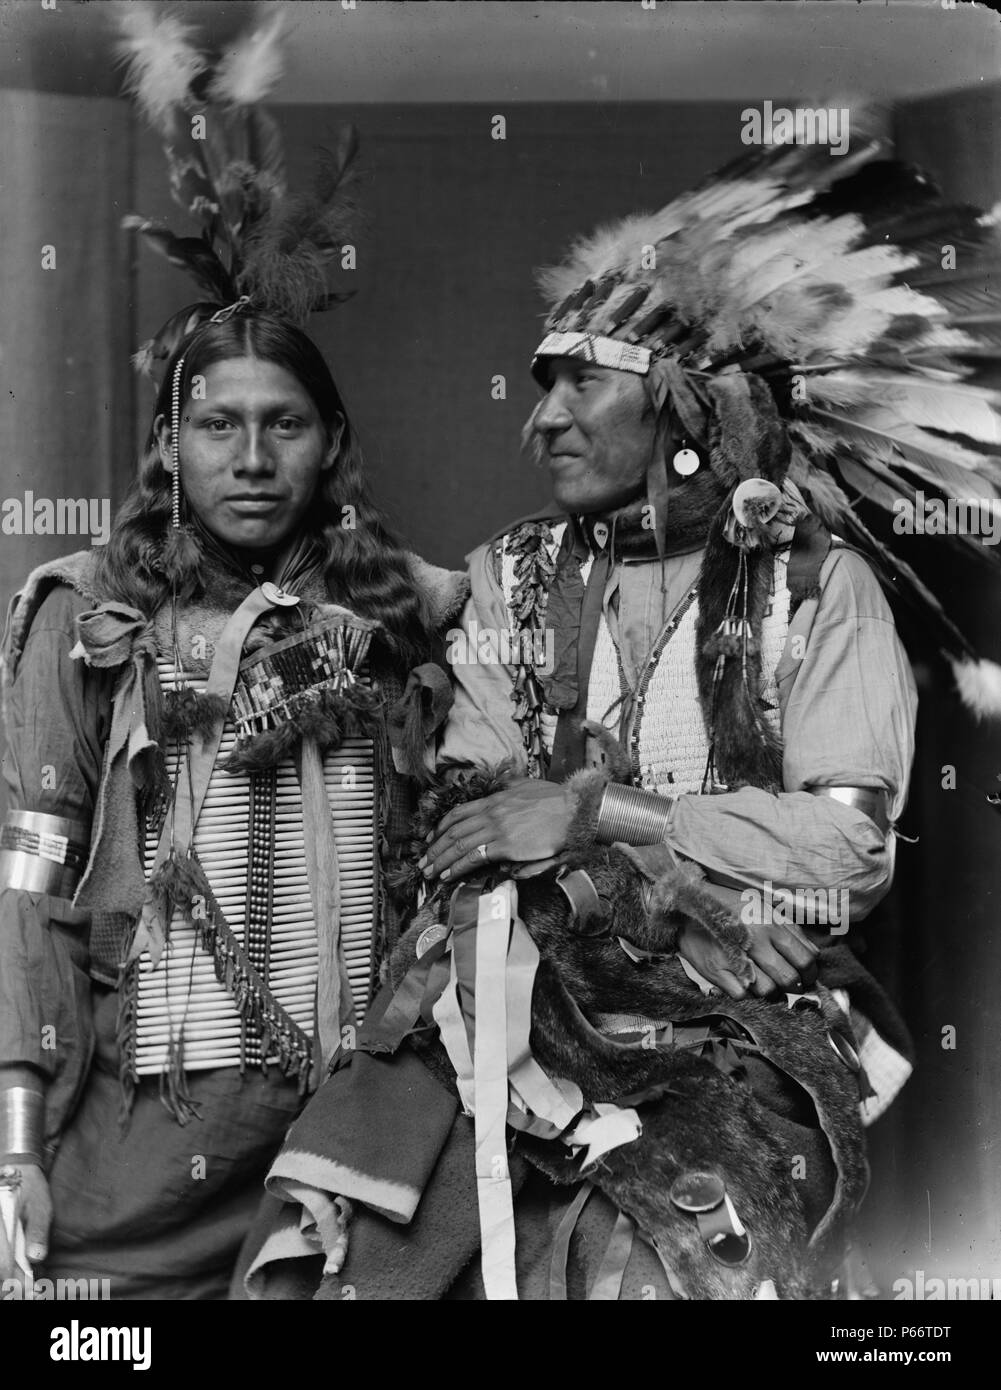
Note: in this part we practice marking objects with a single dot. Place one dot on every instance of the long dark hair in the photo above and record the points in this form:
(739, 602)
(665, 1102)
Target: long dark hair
(364, 565)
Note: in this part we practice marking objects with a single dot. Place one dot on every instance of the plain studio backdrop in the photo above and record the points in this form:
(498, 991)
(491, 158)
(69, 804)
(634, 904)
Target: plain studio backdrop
(607, 108)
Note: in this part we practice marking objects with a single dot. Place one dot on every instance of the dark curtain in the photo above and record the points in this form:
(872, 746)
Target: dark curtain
(66, 419)
(935, 1203)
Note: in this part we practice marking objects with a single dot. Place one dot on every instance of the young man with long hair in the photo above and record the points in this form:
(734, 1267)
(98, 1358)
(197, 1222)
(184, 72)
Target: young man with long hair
(205, 796)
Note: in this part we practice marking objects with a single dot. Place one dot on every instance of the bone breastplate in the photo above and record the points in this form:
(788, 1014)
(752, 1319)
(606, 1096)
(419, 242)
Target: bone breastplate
(249, 839)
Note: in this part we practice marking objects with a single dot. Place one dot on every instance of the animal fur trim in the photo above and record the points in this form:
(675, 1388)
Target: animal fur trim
(434, 805)
(188, 711)
(328, 717)
(586, 789)
(747, 752)
(678, 899)
(746, 436)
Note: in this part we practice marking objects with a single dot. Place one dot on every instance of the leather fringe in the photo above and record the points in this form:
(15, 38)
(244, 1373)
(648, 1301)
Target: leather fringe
(253, 998)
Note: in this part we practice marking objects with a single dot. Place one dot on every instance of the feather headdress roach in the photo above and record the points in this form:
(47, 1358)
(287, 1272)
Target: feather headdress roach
(224, 153)
(870, 307)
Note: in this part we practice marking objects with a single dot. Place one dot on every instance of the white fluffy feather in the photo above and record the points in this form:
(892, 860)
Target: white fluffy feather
(252, 68)
(979, 686)
(161, 62)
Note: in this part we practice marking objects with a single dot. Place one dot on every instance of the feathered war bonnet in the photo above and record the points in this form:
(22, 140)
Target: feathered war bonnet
(261, 248)
(819, 329)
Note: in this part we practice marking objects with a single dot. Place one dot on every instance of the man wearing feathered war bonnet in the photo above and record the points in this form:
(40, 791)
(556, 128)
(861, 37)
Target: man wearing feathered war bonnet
(678, 824)
(211, 724)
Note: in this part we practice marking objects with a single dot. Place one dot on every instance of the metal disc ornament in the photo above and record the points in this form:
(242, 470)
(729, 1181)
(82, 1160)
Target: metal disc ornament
(278, 596)
(686, 462)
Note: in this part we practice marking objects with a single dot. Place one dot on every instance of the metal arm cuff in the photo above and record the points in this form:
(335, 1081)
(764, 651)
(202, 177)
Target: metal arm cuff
(633, 817)
(42, 853)
(22, 1124)
(872, 801)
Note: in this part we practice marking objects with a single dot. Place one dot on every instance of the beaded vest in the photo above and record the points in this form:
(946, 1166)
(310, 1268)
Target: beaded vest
(660, 723)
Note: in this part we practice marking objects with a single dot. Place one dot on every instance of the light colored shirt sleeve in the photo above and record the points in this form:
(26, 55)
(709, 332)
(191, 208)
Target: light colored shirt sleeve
(480, 728)
(848, 705)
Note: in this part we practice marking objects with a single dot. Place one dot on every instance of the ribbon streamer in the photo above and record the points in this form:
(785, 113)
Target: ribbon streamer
(493, 1176)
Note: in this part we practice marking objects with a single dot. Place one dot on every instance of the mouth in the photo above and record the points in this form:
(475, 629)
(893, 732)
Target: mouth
(253, 502)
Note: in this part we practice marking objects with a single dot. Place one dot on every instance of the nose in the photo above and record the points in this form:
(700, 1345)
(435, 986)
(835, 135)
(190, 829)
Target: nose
(552, 414)
(256, 457)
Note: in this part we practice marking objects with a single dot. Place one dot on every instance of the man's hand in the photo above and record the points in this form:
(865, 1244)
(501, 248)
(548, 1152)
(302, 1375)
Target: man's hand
(36, 1215)
(785, 960)
(778, 959)
(525, 822)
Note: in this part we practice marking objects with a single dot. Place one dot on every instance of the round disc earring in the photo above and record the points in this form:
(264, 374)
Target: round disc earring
(686, 461)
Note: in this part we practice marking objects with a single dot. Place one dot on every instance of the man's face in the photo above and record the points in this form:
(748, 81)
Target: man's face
(598, 431)
(253, 450)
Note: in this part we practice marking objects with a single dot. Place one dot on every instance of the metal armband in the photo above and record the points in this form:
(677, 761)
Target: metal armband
(42, 853)
(22, 1122)
(871, 801)
(632, 817)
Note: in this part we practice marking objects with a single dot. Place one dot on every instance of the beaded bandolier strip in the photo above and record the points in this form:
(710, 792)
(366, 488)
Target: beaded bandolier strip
(530, 562)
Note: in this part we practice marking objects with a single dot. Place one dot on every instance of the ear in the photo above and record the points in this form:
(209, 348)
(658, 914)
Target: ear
(163, 442)
(334, 447)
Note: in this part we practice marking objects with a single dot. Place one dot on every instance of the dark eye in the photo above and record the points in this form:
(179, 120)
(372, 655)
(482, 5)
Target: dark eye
(218, 426)
(288, 423)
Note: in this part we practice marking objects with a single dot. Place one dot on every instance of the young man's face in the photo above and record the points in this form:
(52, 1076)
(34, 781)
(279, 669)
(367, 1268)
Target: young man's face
(253, 450)
(597, 430)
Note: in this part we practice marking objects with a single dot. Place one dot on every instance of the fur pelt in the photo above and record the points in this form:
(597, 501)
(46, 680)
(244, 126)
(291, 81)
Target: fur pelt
(694, 1116)
(747, 751)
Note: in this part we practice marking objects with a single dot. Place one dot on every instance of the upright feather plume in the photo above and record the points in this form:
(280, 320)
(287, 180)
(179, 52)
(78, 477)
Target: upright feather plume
(252, 67)
(161, 61)
(227, 171)
(870, 306)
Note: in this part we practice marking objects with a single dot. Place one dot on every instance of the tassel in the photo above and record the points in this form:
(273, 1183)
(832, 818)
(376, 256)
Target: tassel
(187, 711)
(733, 637)
(264, 750)
(174, 1094)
